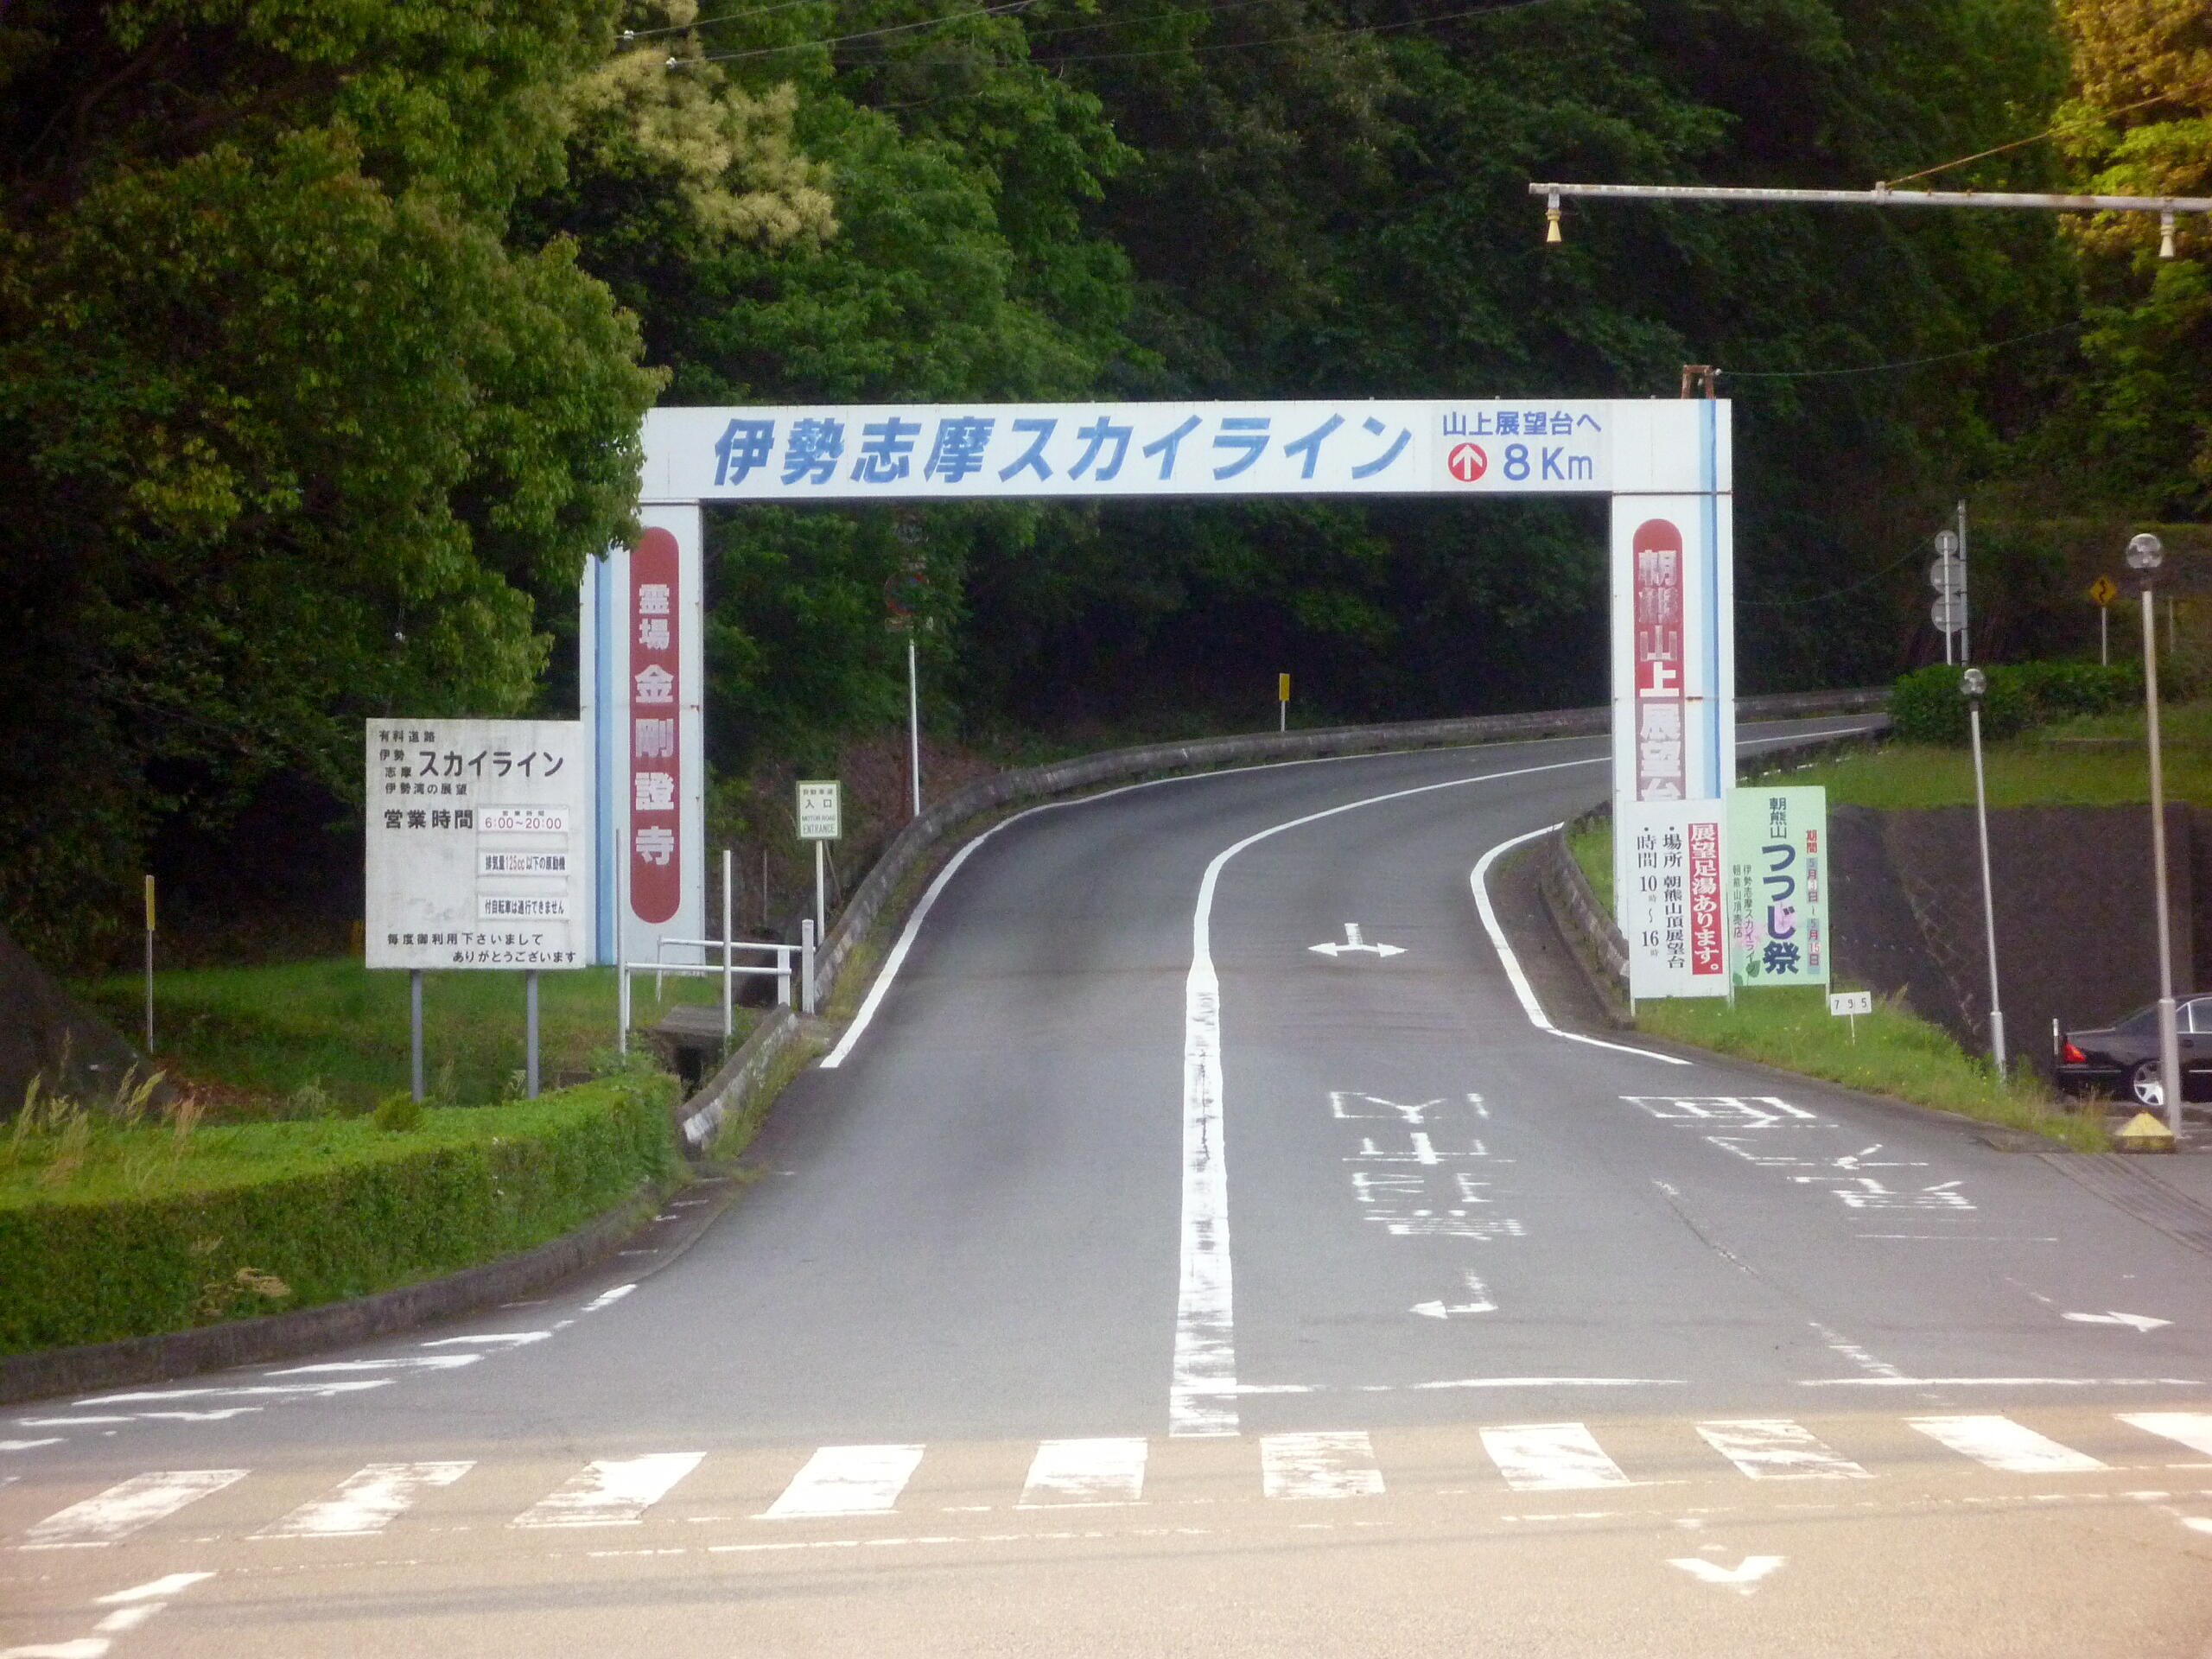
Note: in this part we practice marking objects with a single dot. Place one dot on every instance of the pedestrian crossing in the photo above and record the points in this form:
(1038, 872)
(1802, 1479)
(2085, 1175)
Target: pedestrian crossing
(849, 1482)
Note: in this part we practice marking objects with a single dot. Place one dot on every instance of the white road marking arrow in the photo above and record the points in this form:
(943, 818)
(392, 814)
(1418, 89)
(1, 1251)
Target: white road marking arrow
(1354, 942)
(2140, 1321)
(1742, 1578)
(1480, 1302)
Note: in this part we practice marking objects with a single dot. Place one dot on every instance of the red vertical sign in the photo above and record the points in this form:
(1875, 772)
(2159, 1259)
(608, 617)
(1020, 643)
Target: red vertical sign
(1661, 768)
(655, 765)
(1708, 947)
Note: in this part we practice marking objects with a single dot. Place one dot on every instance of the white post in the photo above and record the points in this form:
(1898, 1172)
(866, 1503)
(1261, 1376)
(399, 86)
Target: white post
(415, 1031)
(2169, 1039)
(530, 1033)
(1965, 629)
(622, 1007)
(913, 721)
(821, 906)
(806, 938)
(728, 946)
(2104, 635)
(149, 968)
(1988, 894)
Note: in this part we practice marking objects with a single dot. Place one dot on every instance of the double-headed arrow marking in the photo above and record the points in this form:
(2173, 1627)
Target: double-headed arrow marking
(1353, 943)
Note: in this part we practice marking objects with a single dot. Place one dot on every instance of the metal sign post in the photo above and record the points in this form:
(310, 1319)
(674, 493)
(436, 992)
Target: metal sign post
(149, 968)
(2102, 592)
(1282, 702)
(821, 820)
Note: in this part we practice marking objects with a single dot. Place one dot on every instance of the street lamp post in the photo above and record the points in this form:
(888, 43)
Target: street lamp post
(2145, 553)
(1974, 683)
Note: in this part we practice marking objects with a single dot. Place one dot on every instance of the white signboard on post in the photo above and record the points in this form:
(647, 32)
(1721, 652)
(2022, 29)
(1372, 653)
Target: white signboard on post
(1778, 885)
(479, 844)
(1673, 906)
(821, 810)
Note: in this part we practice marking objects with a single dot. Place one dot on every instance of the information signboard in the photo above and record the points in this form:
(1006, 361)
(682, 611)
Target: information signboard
(1778, 885)
(821, 810)
(478, 844)
(1672, 904)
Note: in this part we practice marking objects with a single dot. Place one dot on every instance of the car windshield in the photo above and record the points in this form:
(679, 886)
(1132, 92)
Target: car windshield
(2143, 1020)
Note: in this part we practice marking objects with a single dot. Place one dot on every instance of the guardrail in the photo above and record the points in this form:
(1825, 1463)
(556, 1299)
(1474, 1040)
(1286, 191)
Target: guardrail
(914, 844)
(791, 960)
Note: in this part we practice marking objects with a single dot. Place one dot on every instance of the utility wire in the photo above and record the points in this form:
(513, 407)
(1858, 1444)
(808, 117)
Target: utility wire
(864, 35)
(1904, 363)
(1306, 35)
(1832, 593)
(2071, 126)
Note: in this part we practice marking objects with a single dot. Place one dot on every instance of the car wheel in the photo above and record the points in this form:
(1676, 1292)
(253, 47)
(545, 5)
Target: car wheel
(2146, 1084)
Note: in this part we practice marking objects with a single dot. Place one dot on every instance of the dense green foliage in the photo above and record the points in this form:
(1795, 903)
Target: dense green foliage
(325, 326)
(1927, 705)
(127, 1232)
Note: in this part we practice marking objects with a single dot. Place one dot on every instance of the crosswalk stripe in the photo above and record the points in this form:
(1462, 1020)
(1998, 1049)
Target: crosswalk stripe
(1774, 1449)
(2192, 1428)
(365, 1501)
(847, 1480)
(610, 1491)
(1551, 1457)
(125, 1507)
(1085, 1471)
(1337, 1465)
(2000, 1443)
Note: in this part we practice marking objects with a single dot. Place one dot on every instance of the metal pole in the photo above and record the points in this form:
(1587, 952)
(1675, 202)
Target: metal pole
(1966, 629)
(1988, 895)
(914, 721)
(806, 938)
(621, 1007)
(530, 1033)
(414, 1030)
(727, 945)
(150, 967)
(2169, 1040)
(821, 907)
(2104, 635)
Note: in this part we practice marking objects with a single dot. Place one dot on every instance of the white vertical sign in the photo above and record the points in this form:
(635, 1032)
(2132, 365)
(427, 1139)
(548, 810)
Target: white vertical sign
(820, 809)
(1673, 906)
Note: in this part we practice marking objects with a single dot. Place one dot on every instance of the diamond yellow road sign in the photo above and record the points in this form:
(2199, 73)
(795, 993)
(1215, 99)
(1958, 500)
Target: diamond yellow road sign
(2102, 592)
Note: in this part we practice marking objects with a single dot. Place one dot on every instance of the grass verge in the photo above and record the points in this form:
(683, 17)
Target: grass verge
(1896, 1053)
(299, 1039)
(111, 1230)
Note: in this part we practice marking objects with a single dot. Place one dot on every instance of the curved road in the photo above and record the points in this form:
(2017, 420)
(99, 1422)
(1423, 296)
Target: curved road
(1141, 1278)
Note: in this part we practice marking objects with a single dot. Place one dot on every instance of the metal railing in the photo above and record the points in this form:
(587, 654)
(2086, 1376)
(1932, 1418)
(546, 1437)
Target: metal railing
(728, 970)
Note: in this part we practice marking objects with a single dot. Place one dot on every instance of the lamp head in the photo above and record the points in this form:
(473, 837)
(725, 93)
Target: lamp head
(1974, 682)
(2146, 552)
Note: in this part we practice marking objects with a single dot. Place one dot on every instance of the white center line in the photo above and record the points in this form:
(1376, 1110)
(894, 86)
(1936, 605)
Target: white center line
(1085, 1471)
(1551, 1457)
(367, 1501)
(123, 1509)
(611, 1492)
(847, 1480)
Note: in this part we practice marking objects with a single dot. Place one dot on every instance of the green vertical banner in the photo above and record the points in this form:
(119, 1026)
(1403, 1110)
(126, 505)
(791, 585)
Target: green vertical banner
(1778, 885)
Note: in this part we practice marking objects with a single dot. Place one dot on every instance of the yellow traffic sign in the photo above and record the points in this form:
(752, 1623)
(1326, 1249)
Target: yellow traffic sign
(2102, 592)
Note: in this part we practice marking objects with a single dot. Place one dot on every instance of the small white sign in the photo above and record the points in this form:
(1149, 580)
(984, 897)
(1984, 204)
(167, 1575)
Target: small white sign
(479, 853)
(1842, 1003)
(1673, 911)
(821, 810)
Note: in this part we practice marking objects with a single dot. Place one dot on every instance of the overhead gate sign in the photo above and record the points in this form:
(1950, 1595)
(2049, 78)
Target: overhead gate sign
(1666, 465)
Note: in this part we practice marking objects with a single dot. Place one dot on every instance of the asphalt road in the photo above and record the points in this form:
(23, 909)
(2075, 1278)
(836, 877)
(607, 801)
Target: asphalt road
(1142, 1280)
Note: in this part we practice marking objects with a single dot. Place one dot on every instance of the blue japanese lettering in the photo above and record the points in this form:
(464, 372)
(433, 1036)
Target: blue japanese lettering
(1369, 469)
(1096, 435)
(1310, 445)
(1165, 447)
(813, 451)
(1245, 432)
(743, 446)
(884, 447)
(1033, 457)
(958, 451)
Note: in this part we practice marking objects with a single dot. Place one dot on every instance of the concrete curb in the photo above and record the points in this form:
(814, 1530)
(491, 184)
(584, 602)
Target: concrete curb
(247, 1342)
(916, 843)
(699, 1117)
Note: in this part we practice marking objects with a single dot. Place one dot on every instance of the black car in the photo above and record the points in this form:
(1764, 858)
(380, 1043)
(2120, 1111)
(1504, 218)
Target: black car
(2121, 1059)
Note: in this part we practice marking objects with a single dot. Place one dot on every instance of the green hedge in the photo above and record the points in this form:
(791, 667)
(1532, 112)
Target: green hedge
(1926, 706)
(136, 1243)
